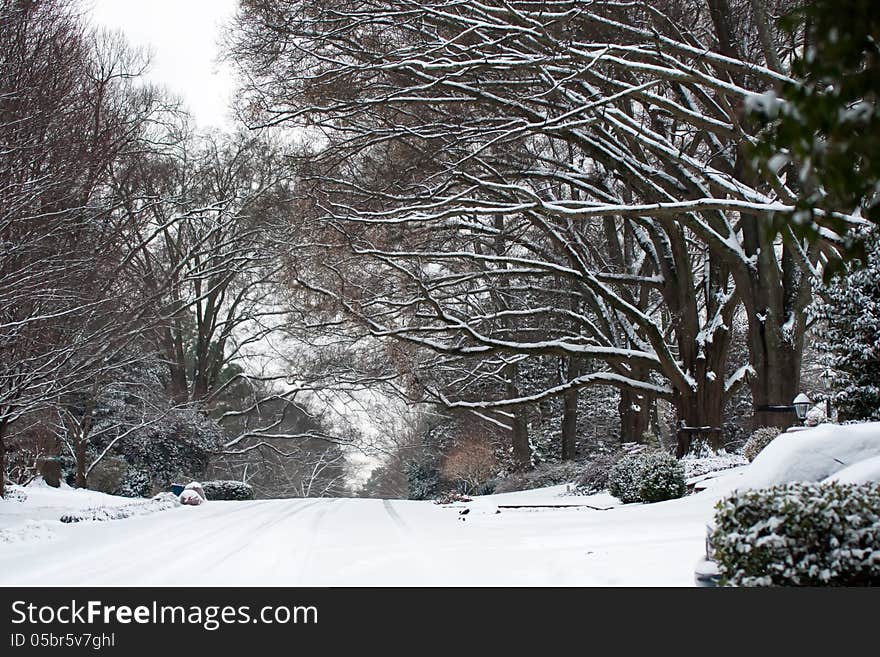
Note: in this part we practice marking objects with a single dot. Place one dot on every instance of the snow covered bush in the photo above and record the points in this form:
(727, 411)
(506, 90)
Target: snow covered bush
(594, 474)
(759, 439)
(108, 475)
(139, 508)
(14, 493)
(190, 497)
(422, 479)
(543, 475)
(799, 534)
(228, 490)
(697, 466)
(662, 477)
(647, 477)
(197, 487)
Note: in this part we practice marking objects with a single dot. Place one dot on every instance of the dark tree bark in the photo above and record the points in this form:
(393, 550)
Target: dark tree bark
(570, 414)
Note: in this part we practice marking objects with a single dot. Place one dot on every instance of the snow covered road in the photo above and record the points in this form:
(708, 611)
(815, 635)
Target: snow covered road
(327, 542)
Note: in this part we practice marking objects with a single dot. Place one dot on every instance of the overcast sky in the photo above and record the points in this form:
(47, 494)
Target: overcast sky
(183, 36)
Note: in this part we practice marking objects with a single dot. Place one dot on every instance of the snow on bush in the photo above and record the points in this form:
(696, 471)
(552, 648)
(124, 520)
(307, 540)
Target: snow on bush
(228, 490)
(191, 497)
(197, 487)
(161, 502)
(542, 476)
(647, 477)
(14, 493)
(759, 440)
(799, 534)
(697, 466)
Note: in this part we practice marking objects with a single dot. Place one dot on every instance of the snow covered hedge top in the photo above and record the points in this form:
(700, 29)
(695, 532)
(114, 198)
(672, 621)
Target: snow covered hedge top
(800, 534)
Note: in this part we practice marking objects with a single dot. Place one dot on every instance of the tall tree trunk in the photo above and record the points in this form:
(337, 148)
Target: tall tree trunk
(3, 423)
(699, 416)
(634, 409)
(776, 358)
(522, 451)
(570, 413)
(80, 449)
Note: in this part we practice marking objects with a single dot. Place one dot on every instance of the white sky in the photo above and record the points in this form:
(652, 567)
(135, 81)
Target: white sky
(183, 36)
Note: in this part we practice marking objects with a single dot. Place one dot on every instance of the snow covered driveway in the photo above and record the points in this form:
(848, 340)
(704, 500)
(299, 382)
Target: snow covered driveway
(327, 542)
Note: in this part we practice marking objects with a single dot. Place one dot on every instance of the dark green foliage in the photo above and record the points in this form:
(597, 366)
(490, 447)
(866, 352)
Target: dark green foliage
(647, 477)
(800, 534)
(760, 438)
(227, 490)
(423, 480)
(849, 331)
(50, 470)
(829, 122)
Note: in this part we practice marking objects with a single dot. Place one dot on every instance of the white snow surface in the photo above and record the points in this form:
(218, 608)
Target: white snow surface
(361, 542)
(862, 472)
(810, 455)
(366, 542)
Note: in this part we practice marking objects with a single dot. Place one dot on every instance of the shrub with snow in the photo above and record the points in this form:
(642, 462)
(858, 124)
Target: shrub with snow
(14, 493)
(759, 440)
(799, 534)
(197, 487)
(697, 466)
(191, 498)
(422, 480)
(543, 475)
(139, 508)
(227, 490)
(648, 477)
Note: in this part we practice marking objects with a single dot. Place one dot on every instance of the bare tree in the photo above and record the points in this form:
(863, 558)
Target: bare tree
(69, 106)
(448, 127)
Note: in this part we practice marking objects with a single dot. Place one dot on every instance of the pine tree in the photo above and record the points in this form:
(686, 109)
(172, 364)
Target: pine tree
(849, 313)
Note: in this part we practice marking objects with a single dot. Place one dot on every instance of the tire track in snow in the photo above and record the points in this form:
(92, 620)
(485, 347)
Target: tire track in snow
(414, 542)
(253, 534)
(395, 516)
(305, 556)
(138, 542)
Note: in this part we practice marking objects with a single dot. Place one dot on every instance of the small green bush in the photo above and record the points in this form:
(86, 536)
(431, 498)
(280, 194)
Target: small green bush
(227, 490)
(108, 474)
(647, 477)
(801, 534)
(759, 439)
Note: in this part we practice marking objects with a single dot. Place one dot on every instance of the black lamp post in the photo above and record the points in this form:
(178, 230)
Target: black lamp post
(801, 405)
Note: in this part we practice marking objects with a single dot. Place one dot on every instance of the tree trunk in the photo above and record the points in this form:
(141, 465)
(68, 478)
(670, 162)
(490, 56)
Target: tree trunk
(3, 424)
(522, 452)
(634, 409)
(777, 364)
(570, 414)
(80, 449)
(699, 418)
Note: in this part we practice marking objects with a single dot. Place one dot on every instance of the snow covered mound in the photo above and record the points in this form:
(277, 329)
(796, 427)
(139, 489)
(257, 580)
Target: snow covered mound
(863, 472)
(811, 454)
(159, 503)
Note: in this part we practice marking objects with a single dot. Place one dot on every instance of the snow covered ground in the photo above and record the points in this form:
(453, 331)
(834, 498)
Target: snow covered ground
(326, 542)
(359, 542)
